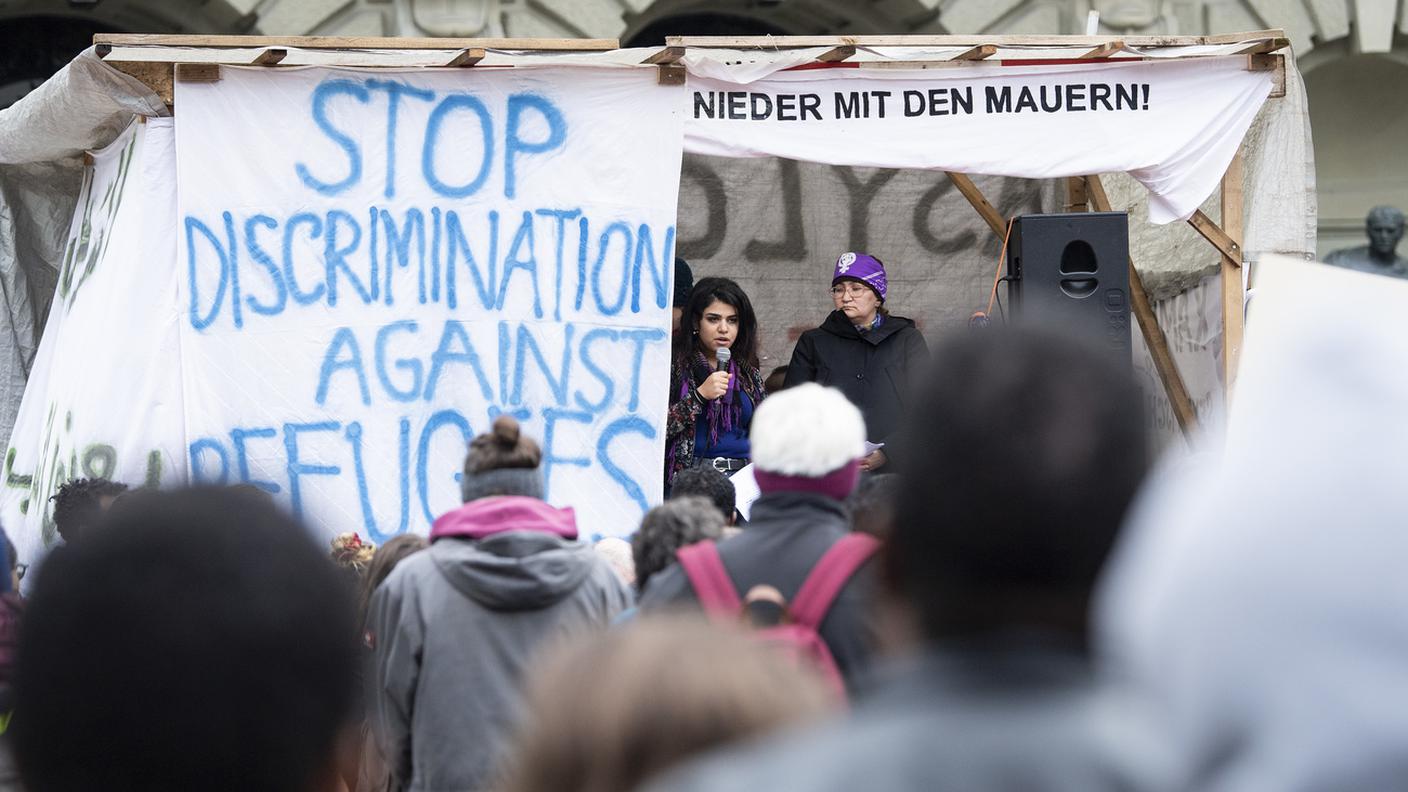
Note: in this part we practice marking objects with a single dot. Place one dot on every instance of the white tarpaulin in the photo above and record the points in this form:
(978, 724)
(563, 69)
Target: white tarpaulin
(374, 265)
(1174, 125)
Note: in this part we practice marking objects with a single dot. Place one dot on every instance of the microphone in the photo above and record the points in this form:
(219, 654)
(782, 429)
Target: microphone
(723, 355)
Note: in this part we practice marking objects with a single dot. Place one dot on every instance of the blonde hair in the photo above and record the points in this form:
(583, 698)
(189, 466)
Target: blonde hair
(662, 689)
(349, 551)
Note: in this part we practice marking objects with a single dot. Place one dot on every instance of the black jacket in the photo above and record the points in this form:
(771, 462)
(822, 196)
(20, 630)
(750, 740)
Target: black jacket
(786, 535)
(876, 370)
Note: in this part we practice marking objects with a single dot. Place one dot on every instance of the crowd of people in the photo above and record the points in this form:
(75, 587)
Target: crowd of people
(925, 596)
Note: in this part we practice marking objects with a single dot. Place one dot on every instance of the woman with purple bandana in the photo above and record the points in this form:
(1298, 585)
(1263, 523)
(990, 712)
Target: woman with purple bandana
(713, 394)
(864, 351)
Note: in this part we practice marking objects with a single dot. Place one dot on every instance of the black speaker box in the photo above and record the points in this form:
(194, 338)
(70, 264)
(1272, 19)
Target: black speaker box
(1072, 271)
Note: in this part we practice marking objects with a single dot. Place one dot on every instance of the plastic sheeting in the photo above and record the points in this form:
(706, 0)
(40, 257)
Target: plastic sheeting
(85, 106)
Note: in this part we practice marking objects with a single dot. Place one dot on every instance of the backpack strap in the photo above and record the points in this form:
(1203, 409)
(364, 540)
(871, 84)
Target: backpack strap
(712, 586)
(829, 576)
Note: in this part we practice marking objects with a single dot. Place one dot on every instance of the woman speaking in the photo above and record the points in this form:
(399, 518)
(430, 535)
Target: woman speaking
(714, 380)
(863, 350)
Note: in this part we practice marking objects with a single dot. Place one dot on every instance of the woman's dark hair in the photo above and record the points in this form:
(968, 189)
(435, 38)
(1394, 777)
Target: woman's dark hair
(705, 292)
(393, 552)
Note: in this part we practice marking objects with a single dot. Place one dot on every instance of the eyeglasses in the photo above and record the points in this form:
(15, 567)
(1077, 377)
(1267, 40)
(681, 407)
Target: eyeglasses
(853, 289)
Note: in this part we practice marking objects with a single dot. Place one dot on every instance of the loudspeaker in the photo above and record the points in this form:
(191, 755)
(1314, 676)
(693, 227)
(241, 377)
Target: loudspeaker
(1072, 271)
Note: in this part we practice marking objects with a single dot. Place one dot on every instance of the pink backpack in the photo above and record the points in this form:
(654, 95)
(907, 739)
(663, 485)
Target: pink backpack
(797, 635)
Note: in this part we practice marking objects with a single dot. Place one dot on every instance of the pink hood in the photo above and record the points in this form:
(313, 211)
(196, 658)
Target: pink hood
(488, 516)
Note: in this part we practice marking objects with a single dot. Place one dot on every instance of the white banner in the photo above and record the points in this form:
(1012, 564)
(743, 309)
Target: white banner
(104, 395)
(375, 264)
(1174, 126)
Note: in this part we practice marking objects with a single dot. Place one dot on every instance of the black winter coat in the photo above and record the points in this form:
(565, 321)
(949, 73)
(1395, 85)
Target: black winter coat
(875, 370)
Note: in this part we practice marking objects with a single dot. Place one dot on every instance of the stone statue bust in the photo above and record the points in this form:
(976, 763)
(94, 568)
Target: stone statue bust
(1384, 225)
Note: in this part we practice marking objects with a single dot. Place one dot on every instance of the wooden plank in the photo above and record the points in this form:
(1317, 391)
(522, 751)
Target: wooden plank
(975, 197)
(836, 54)
(784, 42)
(1215, 234)
(666, 55)
(1264, 46)
(1233, 314)
(467, 57)
(156, 76)
(1184, 410)
(353, 42)
(197, 72)
(270, 56)
(1276, 64)
(980, 52)
(1103, 51)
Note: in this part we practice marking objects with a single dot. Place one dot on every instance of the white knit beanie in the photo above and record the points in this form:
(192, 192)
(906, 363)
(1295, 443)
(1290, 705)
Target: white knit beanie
(808, 431)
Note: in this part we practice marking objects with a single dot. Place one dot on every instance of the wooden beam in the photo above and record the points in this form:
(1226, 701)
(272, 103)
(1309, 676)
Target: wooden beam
(980, 52)
(1076, 200)
(1143, 309)
(1276, 64)
(467, 57)
(1214, 233)
(784, 42)
(353, 42)
(837, 54)
(975, 197)
(1233, 312)
(670, 74)
(1103, 51)
(666, 55)
(270, 56)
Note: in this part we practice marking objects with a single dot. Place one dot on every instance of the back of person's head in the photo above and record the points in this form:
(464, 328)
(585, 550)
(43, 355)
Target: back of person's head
(1031, 446)
(502, 461)
(705, 481)
(200, 640)
(668, 527)
(807, 439)
(617, 553)
(676, 687)
(80, 502)
(873, 504)
(392, 552)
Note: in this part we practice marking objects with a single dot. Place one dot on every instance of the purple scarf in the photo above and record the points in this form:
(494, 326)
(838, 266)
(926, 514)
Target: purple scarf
(723, 414)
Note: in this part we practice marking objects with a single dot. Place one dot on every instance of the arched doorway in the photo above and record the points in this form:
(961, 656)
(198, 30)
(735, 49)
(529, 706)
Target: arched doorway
(1359, 122)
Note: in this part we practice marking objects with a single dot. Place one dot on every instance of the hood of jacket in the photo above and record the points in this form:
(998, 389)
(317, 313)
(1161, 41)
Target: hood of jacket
(838, 325)
(1258, 594)
(511, 553)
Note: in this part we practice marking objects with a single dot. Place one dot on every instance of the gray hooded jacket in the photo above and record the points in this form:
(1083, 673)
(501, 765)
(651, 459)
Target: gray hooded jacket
(453, 628)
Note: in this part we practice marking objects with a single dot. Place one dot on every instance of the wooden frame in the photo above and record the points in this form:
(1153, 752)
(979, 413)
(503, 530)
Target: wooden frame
(1083, 192)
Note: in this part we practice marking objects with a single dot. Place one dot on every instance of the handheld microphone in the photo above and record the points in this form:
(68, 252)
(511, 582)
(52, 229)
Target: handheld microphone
(723, 356)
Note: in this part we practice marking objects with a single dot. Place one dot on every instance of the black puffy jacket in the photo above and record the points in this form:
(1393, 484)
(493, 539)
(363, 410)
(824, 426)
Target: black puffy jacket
(876, 369)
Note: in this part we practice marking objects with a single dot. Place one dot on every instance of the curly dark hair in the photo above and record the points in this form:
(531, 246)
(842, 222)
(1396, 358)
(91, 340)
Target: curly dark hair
(668, 527)
(79, 502)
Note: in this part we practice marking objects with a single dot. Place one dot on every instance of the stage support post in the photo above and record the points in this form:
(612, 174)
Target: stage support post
(1232, 293)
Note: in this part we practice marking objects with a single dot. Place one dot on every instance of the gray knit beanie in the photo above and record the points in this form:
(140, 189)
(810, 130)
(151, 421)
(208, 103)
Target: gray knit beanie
(502, 462)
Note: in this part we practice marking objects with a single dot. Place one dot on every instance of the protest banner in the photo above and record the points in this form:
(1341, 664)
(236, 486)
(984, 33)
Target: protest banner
(375, 265)
(360, 272)
(1174, 126)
